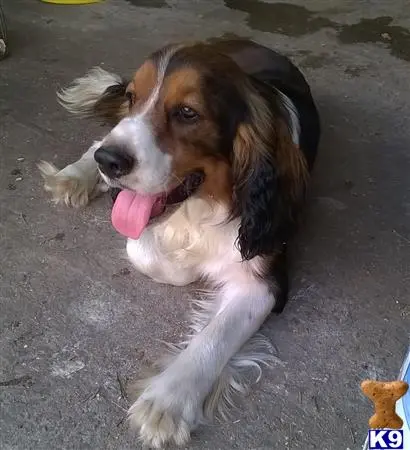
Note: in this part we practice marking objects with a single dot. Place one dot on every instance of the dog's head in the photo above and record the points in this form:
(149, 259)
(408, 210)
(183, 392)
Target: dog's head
(190, 110)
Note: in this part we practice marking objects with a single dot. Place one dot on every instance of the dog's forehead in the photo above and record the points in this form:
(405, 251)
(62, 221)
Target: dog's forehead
(173, 77)
(145, 78)
(184, 74)
(183, 84)
(152, 70)
(204, 58)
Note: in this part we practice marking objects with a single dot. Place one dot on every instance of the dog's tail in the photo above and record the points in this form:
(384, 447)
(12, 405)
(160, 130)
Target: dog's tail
(99, 94)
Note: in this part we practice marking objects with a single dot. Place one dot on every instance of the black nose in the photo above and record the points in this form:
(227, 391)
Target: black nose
(113, 161)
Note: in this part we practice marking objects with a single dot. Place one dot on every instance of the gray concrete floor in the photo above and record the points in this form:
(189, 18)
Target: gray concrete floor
(75, 318)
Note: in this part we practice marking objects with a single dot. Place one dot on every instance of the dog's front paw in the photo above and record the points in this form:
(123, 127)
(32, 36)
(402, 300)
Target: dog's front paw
(71, 187)
(164, 415)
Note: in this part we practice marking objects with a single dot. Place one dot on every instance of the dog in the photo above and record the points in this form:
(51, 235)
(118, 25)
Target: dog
(209, 157)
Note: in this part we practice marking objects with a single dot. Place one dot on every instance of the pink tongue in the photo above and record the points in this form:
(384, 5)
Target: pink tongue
(131, 212)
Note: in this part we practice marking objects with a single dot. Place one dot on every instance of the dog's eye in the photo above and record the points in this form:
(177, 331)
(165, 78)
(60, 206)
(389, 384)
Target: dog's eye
(130, 97)
(186, 114)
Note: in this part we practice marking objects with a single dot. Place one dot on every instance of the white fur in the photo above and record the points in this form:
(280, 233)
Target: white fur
(153, 167)
(293, 116)
(201, 375)
(177, 399)
(82, 95)
(80, 182)
(196, 242)
(152, 171)
(198, 377)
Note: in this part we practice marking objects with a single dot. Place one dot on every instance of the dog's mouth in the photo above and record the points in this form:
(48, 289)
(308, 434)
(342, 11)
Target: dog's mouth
(132, 211)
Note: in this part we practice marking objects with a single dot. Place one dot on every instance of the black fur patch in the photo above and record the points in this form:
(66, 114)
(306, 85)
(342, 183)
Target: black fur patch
(111, 105)
(277, 276)
(228, 108)
(259, 206)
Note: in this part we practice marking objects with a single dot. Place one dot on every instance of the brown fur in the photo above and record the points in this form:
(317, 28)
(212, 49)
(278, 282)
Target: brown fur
(141, 86)
(254, 139)
(183, 87)
(267, 138)
(194, 147)
(291, 164)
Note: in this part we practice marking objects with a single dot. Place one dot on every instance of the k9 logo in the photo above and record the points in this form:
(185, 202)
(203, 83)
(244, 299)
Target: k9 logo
(386, 439)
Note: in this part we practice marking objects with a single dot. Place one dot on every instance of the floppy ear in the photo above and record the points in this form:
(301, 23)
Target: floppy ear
(270, 175)
(99, 94)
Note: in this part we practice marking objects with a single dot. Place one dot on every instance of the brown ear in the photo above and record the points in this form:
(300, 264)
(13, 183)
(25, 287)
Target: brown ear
(270, 176)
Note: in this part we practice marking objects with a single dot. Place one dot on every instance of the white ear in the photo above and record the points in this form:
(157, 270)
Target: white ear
(85, 92)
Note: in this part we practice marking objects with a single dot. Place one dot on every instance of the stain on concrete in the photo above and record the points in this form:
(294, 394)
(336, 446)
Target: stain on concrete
(354, 71)
(122, 273)
(25, 380)
(284, 18)
(13, 325)
(148, 3)
(296, 20)
(300, 53)
(397, 38)
(58, 237)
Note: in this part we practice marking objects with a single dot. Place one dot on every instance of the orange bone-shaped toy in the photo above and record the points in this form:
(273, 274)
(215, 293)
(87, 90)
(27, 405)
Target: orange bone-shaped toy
(384, 395)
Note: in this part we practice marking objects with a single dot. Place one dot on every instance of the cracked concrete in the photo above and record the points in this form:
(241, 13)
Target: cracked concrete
(77, 323)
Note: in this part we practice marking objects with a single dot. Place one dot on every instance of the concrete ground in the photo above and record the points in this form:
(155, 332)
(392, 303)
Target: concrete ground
(77, 323)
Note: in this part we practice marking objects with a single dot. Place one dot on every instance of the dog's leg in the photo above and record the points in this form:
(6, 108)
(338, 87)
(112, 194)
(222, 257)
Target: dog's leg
(172, 403)
(77, 183)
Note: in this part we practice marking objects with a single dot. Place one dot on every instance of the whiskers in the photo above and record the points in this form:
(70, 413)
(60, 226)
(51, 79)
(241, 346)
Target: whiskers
(179, 180)
(191, 182)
